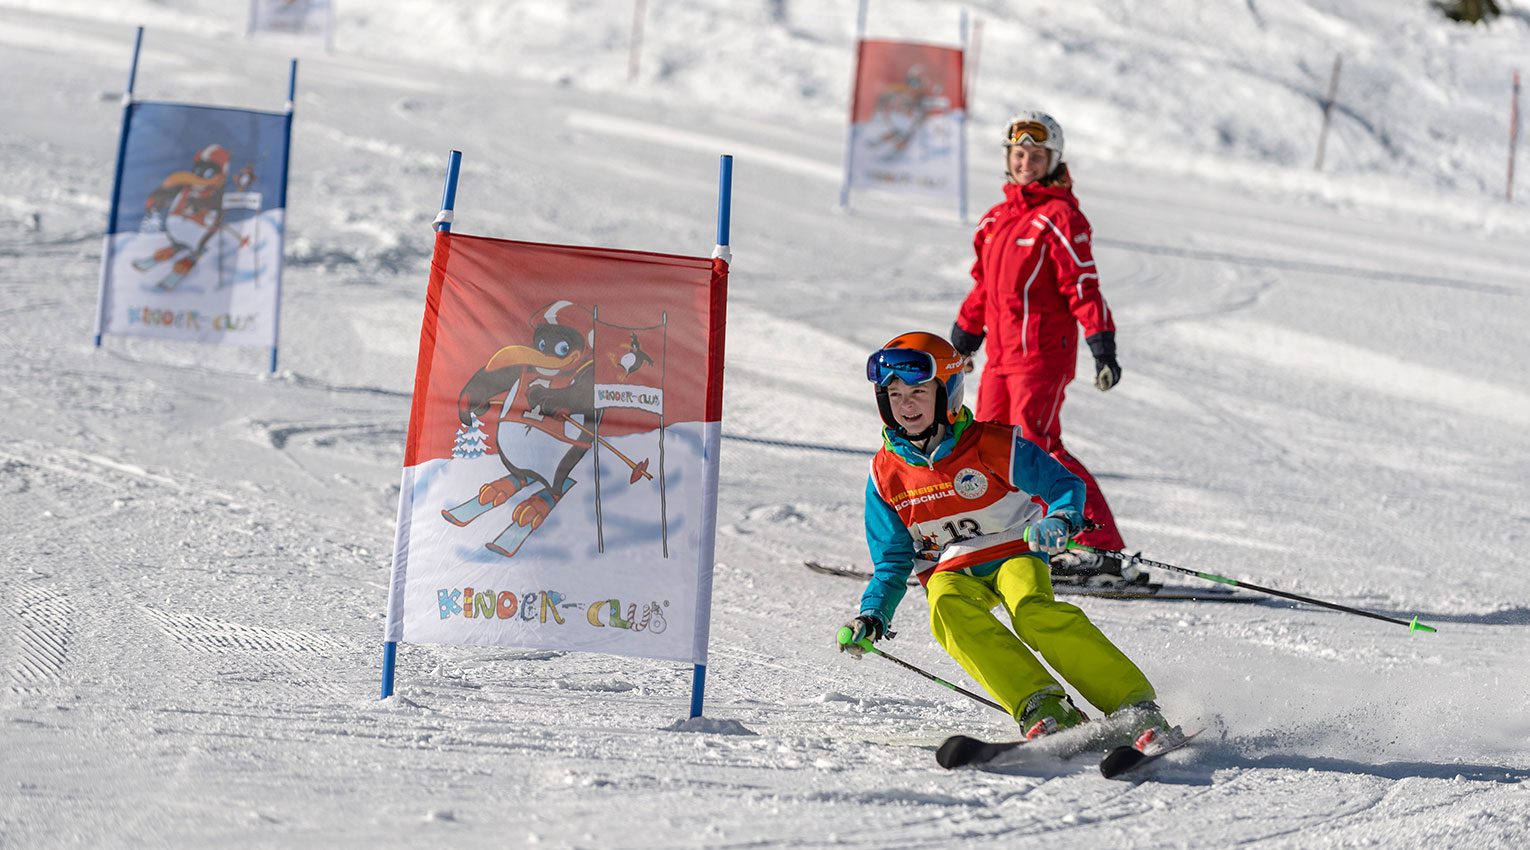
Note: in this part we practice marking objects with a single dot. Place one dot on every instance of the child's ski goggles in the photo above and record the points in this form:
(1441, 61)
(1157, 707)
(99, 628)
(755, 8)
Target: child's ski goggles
(909, 365)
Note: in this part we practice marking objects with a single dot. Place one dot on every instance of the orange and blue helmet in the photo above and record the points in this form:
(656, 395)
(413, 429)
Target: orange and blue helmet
(917, 358)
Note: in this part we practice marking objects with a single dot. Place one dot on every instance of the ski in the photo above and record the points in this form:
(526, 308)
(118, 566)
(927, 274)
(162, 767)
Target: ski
(846, 572)
(1062, 587)
(1096, 735)
(171, 281)
(1133, 756)
(962, 750)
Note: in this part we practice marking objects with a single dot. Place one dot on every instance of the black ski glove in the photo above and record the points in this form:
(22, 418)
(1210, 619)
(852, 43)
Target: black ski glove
(861, 628)
(966, 344)
(1107, 373)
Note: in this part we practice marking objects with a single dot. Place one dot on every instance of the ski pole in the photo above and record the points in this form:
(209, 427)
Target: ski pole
(639, 470)
(847, 637)
(1138, 560)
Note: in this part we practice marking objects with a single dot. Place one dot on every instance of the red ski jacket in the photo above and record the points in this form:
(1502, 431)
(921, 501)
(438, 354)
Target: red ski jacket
(1034, 282)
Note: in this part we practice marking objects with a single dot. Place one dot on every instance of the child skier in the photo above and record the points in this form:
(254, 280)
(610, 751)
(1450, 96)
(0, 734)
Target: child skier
(957, 501)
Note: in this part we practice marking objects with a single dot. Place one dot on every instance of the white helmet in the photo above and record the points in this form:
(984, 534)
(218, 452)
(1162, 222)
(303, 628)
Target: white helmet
(1036, 128)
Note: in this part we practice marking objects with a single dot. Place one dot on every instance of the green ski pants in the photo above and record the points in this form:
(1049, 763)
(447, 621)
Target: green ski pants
(962, 620)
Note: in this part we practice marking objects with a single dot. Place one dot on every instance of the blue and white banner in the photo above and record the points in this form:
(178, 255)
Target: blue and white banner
(194, 251)
(310, 19)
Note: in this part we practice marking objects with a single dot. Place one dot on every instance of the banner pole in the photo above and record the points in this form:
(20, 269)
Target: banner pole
(855, 76)
(443, 224)
(709, 542)
(276, 329)
(111, 222)
(449, 193)
(961, 128)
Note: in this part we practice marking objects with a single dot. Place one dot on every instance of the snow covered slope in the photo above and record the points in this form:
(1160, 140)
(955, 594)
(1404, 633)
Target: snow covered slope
(1324, 392)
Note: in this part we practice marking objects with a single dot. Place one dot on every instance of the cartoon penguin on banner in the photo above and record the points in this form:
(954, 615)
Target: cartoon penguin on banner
(546, 422)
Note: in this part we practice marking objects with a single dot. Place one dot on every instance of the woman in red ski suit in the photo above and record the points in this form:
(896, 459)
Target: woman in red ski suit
(1035, 283)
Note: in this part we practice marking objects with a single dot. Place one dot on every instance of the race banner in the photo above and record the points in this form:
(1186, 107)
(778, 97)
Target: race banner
(194, 252)
(566, 415)
(308, 19)
(906, 119)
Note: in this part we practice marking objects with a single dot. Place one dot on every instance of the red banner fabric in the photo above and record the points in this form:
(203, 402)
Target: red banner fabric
(895, 77)
(570, 341)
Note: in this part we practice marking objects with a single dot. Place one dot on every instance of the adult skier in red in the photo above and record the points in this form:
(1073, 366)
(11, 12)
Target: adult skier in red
(1034, 284)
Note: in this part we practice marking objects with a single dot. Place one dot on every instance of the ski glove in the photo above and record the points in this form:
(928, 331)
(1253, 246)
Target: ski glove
(862, 627)
(966, 344)
(1050, 535)
(1107, 373)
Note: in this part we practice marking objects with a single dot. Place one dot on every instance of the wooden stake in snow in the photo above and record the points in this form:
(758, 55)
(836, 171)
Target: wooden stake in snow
(634, 58)
(1508, 191)
(1333, 90)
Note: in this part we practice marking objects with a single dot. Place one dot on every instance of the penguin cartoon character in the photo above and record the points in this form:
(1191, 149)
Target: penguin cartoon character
(190, 205)
(545, 421)
(633, 359)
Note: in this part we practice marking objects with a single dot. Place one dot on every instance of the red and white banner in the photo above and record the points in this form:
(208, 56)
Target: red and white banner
(906, 119)
(564, 431)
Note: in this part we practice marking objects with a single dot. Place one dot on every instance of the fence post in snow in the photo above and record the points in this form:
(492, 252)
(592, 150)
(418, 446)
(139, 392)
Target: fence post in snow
(1333, 90)
(1508, 191)
(111, 226)
(635, 56)
(443, 224)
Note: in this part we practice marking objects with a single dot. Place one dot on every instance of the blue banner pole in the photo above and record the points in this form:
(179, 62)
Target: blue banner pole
(286, 169)
(724, 253)
(111, 221)
(449, 193)
(443, 224)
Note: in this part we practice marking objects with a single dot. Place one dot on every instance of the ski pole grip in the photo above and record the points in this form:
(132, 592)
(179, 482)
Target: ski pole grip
(846, 636)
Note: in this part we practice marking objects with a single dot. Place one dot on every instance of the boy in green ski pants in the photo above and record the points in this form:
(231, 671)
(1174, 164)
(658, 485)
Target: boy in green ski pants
(956, 501)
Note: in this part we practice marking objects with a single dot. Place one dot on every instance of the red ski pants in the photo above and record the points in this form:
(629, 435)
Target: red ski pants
(1034, 402)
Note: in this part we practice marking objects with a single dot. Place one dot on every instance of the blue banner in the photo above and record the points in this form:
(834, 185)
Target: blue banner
(195, 248)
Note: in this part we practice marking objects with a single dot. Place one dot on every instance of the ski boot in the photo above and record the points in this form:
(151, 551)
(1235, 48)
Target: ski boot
(1047, 711)
(1145, 724)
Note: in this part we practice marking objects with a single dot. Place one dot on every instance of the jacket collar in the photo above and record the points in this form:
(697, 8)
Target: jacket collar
(908, 453)
(1033, 195)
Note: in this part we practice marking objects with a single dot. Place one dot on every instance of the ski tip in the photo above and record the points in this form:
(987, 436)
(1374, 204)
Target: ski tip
(1120, 760)
(1416, 626)
(957, 750)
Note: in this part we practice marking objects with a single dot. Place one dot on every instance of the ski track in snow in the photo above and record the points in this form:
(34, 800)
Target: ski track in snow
(1323, 392)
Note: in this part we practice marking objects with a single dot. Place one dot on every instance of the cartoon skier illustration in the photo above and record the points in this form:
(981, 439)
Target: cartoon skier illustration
(903, 108)
(189, 208)
(633, 359)
(545, 421)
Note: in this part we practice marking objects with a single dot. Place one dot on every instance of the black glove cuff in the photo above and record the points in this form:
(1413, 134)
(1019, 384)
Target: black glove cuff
(965, 343)
(1103, 345)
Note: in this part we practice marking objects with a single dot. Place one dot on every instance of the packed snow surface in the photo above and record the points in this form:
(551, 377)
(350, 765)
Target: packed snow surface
(1325, 391)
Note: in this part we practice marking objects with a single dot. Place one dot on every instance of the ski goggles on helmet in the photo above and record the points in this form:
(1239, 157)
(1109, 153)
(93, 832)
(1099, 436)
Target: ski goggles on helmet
(909, 365)
(1027, 133)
